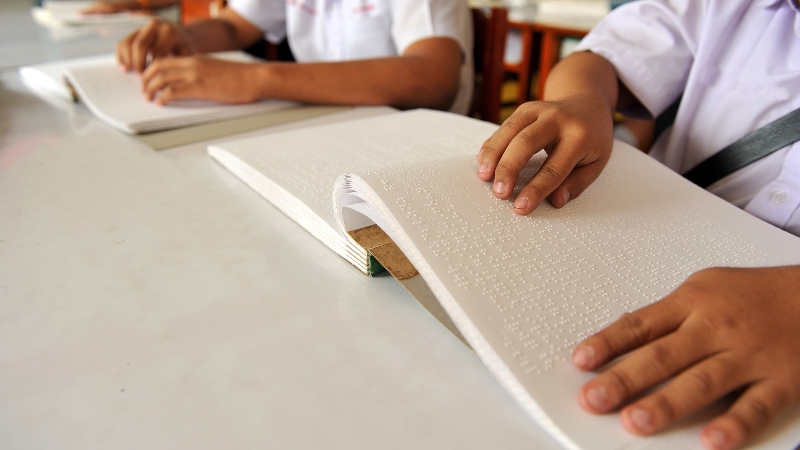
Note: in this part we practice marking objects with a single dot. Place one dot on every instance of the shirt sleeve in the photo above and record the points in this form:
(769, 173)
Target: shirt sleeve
(652, 45)
(414, 20)
(267, 15)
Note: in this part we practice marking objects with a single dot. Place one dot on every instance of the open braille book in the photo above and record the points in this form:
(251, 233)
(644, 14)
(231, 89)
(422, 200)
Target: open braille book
(115, 97)
(521, 291)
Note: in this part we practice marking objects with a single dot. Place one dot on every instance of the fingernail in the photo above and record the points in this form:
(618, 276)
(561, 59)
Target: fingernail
(521, 202)
(597, 397)
(500, 188)
(642, 420)
(715, 439)
(583, 357)
(565, 197)
(483, 168)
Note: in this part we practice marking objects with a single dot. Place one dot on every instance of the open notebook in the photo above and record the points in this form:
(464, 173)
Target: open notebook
(114, 96)
(68, 13)
(521, 290)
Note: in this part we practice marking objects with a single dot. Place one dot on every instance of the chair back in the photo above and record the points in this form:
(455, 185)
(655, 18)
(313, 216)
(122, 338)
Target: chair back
(491, 30)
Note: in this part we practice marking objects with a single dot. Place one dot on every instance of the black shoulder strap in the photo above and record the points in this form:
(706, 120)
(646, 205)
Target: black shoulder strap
(749, 149)
(666, 118)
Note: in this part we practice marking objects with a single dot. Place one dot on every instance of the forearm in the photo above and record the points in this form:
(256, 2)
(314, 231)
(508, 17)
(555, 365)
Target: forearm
(210, 35)
(227, 32)
(402, 82)
(427, 75)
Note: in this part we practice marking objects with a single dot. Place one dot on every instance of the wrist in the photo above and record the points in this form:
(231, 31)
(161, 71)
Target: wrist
(262, 79)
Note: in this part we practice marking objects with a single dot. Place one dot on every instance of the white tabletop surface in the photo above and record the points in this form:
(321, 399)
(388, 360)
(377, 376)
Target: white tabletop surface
(152, 300)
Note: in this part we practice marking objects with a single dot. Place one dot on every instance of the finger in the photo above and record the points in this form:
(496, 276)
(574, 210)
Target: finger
(93, 9)
(161, 74)
(176, 92)
(692, 390)
(124, 51)
(492, 150)
(643, 369)
(563, 176)
(160, 79)
(749, 416)
(523, 146)
(577, 181)
(161, 66)
(630, 331)
(554, 171)
(142, 45)
(165, 43)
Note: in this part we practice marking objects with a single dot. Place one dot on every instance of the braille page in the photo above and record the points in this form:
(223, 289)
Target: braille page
(116, 98)
(296, 169)
(525, 290)
(49, 76)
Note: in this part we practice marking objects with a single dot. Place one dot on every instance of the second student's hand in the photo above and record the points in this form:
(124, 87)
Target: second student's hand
(723, 330)
(574, 127)
(103, 7)
(573, 133)
(155, 40)
(200, 77)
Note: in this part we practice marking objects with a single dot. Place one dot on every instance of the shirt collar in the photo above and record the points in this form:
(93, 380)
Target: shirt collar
(795, 4)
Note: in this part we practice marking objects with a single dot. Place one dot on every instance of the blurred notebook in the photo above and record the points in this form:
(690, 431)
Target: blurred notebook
(114, 96)
(68, 13)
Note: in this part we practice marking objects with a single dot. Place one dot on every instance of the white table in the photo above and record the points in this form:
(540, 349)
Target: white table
(151, 300)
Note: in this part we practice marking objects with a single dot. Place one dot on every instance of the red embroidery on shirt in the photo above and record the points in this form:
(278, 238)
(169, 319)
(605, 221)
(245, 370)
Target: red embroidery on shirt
(301, 5)
(365, 8)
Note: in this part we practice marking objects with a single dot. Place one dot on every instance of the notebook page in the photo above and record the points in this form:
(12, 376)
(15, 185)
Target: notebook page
(115, 97)
(49, 76)
(525, 290)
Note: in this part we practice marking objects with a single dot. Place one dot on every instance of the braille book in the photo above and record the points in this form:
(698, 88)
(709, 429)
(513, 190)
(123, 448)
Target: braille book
(115, 97)
(521, 290)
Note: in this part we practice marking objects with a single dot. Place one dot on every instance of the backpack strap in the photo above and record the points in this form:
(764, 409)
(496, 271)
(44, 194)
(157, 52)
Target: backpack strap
(747, 150)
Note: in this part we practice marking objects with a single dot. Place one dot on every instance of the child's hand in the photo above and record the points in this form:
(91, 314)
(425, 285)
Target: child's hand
(155, 40)
(103, 7)
(200, 77)
(722, 330)
(576, 133)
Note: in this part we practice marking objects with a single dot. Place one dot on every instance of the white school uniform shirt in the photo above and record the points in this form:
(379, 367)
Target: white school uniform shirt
(343, 30)
(737, 63)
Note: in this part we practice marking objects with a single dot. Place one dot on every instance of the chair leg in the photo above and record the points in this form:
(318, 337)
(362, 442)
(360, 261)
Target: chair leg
(551, 44)
(497, 28)
(524, 70)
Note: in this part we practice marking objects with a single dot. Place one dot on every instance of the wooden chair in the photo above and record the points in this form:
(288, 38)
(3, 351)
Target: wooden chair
(491, 28)
(523, 68)
(541, 48)
(552, 36)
